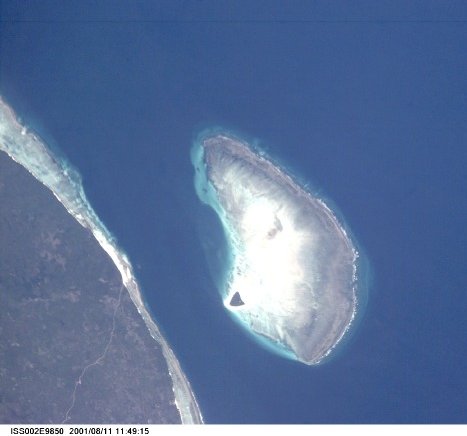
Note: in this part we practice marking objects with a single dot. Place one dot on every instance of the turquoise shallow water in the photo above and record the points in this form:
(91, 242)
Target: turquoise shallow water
(372, 113)
(221, 251)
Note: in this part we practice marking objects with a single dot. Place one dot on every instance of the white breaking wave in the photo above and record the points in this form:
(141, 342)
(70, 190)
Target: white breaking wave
(25, 148)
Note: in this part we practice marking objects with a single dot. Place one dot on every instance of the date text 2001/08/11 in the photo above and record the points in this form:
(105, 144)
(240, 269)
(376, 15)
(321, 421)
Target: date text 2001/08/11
(109, 430)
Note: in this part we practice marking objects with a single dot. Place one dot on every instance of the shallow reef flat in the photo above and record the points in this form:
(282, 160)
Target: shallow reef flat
(292, 281)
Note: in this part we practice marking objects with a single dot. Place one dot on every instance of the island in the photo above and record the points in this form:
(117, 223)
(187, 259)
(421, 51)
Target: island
(292, 279)
(78, 343)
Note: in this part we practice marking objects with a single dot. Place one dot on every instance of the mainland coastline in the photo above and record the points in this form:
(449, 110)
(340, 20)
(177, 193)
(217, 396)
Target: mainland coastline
(28, 150)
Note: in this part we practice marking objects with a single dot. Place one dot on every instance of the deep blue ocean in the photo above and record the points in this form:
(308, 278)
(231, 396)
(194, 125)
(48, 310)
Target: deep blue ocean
(365, 103)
